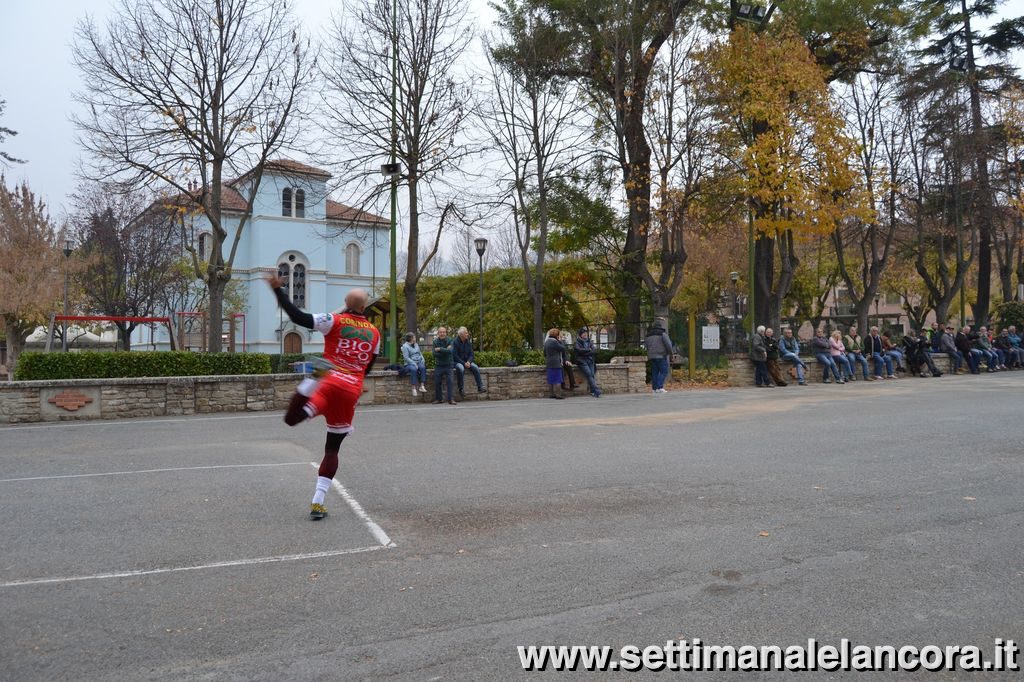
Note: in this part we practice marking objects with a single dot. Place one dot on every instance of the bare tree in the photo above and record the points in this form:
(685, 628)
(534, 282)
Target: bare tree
(180, 95)
(533, 118)
(863, 244)
(31, 266)
(432, 107)
(127, 256)
(5, 158)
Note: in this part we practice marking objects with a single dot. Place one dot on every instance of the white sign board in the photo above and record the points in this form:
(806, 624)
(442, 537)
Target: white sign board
(710, 339)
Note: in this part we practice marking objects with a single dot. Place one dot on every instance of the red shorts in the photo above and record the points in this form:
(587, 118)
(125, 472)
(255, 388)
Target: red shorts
(335, 398)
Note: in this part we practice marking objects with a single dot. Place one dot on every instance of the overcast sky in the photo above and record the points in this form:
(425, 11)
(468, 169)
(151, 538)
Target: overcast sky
(38, 78)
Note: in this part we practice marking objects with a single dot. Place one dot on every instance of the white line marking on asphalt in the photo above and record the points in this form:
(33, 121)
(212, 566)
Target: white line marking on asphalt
(368, 410)
(148, 471)
(378, 532)
(179, 569)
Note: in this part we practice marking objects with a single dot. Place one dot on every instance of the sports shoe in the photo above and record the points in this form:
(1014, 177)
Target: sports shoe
(415, 393)
(878, 377)
(317, 512)
(423, 389)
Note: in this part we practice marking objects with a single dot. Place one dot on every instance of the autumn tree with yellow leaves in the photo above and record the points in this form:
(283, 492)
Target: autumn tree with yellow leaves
(788, 154)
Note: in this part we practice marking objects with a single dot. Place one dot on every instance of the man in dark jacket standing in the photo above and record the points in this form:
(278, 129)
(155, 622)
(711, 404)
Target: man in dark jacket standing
(659, 352)
(462, 350)
(443, 365)
(584, 349)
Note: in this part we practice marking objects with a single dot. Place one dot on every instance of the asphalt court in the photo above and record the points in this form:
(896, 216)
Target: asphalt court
(72, 516)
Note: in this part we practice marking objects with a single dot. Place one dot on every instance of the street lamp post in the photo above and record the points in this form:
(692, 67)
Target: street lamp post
(393, 293)
(481, 246)
(64, 323)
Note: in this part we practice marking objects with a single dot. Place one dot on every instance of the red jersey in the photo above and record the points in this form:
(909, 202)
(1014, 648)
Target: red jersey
(350, 341)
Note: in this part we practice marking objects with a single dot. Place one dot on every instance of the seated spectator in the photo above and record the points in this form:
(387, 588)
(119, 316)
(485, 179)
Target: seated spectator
(584, 350)
(916, 353)
(935, 337)
(1015, 340)
(554, 361)
(894, 353)
(443, 366)
(462, 351)
(838, 351)
(771, 345)
(1011, 355)
(947, 345)
(759, 356)
(789, 350)
(822, 352)
(414, 362)
(965, 344)
(982, 343)
(875, 349)
(855, 351)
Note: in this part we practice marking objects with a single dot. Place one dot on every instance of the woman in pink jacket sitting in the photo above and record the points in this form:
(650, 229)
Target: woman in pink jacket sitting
(838, 352)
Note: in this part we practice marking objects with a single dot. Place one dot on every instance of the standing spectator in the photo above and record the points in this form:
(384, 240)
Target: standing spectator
(947, 345)
(759, 356)
(894, 353)
(568, 375)
(965, 345)
(464, 359)
(584, 349)
(659, 351)
(855, 351)
(554, 361)
(771, 346)
(838, 352)
(822, 351)
(443, 365)
(982, 343)
(789, 349)
(413, 357)
(875, 349)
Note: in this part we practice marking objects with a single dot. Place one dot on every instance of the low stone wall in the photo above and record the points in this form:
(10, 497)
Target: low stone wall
(33, 401)
(741, 369)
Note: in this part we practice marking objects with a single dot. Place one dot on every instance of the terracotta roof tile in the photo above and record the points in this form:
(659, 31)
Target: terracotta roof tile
(336, 211)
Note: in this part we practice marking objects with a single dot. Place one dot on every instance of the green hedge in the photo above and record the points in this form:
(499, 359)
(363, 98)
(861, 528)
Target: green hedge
(107, 365)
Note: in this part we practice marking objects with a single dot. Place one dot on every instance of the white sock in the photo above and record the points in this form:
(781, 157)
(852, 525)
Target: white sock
(307, 387)
(322, 486)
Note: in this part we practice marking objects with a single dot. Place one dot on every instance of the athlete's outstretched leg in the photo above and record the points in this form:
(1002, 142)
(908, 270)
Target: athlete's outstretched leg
(296, 412)
(328, 467)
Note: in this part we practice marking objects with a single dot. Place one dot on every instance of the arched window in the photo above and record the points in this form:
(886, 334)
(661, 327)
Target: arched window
(292, 269)
(299, 285)
(300, 204)
(352, 255)
(286, 202)
(204, 245)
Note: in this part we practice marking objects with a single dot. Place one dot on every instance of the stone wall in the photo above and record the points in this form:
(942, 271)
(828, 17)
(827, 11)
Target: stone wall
(741, 369)
(32, 401)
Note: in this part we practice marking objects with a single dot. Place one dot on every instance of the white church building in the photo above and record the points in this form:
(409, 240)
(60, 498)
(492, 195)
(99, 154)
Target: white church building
(321, 247)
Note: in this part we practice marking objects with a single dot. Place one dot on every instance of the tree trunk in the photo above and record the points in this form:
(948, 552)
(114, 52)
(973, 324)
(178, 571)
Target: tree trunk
(412, 263)
(764, 279)
(981, 307)
(15, 343)
(124, 335)
(215, 315)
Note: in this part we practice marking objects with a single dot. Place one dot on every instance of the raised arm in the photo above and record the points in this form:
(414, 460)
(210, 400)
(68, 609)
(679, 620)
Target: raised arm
(300, 318)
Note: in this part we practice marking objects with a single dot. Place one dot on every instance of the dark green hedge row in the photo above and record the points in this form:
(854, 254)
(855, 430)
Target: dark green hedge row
(100, 365)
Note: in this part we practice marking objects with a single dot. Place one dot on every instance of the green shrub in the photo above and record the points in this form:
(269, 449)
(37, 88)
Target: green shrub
(282, 364)
(1010, 313)
(106, 365)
